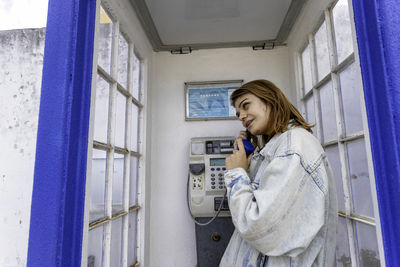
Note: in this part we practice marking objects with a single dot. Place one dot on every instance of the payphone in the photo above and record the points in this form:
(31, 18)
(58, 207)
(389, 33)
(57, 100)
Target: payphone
(206, 175)
(207, 199)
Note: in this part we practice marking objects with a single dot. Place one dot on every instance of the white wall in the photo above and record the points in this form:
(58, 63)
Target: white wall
(172, 232)
(21, 60)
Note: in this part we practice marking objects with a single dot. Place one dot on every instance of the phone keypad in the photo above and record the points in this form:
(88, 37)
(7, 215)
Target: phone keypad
(217, 178)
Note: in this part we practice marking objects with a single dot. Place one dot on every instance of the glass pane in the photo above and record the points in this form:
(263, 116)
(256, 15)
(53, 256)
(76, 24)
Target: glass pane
(118, 183)
(343, 258)
(328, 115)
(359, 178)
(306, 64)
(367, 245)
(135, 128)
(350, 91)
(23, 14)
(332, 153)
(105, 41)
(135, 89)
(95, 247)
(133, 182)
(120, 110)
(97, 185)
(101, 110)
(321, 47)
(123, 55)
(310, 112)
(132, 238)
(116, 242)
(341, 23)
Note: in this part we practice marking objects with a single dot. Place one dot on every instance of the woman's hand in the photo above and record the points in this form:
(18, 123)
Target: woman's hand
(244, 135)
(238, 159)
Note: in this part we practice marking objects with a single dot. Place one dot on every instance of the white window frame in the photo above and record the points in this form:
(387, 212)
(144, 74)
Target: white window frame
(333, 76)
(115, 87)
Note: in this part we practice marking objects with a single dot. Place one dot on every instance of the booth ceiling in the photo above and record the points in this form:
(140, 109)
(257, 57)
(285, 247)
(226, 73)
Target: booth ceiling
(201, 24)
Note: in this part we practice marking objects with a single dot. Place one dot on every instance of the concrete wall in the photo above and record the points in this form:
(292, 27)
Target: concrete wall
(172, 231)
(21, 61)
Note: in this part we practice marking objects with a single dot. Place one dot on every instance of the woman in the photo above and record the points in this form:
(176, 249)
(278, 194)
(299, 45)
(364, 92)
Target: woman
(282, 198)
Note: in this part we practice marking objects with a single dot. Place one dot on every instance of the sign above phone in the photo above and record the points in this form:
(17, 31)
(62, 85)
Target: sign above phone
(210, 100)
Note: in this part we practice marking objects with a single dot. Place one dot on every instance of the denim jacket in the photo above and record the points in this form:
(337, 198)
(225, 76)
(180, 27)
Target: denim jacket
(284, 207)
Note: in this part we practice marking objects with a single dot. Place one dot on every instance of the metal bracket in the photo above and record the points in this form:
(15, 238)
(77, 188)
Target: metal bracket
(182, 50)
(264, 46)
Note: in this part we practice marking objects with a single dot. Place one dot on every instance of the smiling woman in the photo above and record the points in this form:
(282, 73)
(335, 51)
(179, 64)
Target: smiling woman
(273, 111)
(283, 197)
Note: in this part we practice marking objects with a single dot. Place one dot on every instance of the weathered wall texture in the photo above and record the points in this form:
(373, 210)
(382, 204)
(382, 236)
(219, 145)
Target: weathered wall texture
(21, 61)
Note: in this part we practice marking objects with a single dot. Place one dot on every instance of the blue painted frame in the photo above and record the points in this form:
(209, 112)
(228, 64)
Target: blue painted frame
(57, 211)
(378, 35)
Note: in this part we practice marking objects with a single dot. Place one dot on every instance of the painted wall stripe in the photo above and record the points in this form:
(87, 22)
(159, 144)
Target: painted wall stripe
(59, 182)
(378, 36)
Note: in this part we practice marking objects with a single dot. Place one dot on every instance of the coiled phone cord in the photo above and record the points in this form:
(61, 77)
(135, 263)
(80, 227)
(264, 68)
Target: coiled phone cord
(190, 210)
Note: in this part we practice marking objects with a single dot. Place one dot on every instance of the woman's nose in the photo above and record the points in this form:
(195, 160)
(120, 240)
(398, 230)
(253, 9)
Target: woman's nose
(242, 116)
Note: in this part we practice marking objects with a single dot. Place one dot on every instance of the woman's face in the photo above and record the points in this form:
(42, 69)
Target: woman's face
(253, 113)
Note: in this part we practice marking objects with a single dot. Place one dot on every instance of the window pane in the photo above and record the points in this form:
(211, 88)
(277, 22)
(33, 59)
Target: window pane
(123, 55)
(359, 178)
(135, 128)
(310, 114)
(350, 91)
(321, 47)
(120, 110)
(116, 242)
(105, 41)
(332, 153)
(133, 182)
(367, 245)
(95, 247)
(118, 183)
(306, 64)
(101, 110)
(132, 254)
(328, 113)
(97, 185)
(342, 245)
(341, 22)
(135, 88)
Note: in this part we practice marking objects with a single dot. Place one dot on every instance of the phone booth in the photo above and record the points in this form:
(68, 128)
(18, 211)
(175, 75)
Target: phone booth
(127, 156)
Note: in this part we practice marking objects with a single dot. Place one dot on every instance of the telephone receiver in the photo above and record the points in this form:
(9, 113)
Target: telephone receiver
(248, 146)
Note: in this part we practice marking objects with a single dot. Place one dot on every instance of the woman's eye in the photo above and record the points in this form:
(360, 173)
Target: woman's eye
(245, 105)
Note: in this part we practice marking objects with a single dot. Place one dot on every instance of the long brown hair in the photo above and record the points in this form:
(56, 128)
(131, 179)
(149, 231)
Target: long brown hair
(283, 113)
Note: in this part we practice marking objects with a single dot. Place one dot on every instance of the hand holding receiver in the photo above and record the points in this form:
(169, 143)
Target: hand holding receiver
(239, 158)
(248, 146)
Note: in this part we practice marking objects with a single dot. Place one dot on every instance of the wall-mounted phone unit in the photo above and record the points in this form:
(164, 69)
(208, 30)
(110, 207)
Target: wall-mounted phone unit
(206, 175)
